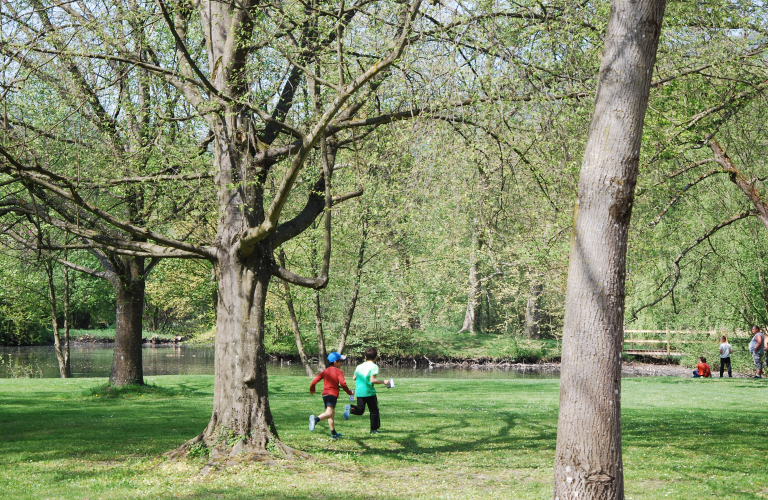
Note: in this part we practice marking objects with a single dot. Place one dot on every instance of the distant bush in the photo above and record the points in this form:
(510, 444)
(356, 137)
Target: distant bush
(22, 329)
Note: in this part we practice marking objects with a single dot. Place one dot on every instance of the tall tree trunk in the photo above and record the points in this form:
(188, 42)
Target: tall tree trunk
(295, 321)
(588, 462)
(356, 289)
(533, 311)
(126, 362)
(473, 291)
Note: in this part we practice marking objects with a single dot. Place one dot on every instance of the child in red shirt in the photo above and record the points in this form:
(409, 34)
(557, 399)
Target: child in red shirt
(702, 369)
(332, 378)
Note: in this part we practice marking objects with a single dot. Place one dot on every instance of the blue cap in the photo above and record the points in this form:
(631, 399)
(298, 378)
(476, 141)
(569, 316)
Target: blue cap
(335, 356)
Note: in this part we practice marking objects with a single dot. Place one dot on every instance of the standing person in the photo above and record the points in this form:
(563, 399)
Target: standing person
(702, 369)
(757, 348)
(365, 379)
(333, 378)
(725, 356)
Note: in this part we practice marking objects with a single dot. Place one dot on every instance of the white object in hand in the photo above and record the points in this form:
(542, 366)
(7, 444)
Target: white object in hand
(391, 383)
(352, 396)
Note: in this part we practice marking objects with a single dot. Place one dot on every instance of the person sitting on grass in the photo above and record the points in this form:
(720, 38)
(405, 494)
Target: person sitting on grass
(333, 378)
(702, 369)
(365, 378)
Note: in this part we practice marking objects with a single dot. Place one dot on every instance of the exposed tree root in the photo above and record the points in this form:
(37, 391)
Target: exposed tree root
(222, 455)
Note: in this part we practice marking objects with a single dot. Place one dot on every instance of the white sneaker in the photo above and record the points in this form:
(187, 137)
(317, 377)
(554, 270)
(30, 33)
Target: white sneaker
(346, 412)
(312, 422)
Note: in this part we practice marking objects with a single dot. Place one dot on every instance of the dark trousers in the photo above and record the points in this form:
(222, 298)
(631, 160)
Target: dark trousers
(373, 409)
(723, 363)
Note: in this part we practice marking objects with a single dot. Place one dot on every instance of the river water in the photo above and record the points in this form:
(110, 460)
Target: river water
(96, 361)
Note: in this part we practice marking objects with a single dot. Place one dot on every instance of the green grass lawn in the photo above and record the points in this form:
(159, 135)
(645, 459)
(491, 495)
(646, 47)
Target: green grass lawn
(460, 439)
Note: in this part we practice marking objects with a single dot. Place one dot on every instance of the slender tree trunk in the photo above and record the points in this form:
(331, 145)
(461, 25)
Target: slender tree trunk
(588, 462)
(295, 321)
(54, 322)
(356, 289)
(533, 311)
(321, 352)
(297, 331)
(473, 291)
(126, 362)
(67, 323)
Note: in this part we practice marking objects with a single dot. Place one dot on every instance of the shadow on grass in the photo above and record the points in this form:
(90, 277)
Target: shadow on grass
(440, 438)
(132, 390)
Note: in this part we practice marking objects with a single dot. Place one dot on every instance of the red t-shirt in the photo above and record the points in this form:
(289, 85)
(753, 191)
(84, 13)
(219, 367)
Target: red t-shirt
(703, 370)
(332, 379)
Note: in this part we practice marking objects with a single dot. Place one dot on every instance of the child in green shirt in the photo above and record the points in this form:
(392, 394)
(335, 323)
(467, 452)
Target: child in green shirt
(365, 379)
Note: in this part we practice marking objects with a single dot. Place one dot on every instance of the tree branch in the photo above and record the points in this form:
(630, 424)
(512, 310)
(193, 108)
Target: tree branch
(685, 251)
(253, 235)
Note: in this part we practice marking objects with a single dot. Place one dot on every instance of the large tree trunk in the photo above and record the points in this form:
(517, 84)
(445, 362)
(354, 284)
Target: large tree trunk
(533, 311)
(473, 291)
(240, 404)
(126, 362)
(588, 463)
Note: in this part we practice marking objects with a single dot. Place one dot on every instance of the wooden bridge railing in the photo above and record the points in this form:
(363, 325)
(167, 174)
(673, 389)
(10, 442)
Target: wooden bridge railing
(669, 346)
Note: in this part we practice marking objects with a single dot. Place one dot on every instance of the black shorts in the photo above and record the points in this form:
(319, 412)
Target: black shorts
(330, 401)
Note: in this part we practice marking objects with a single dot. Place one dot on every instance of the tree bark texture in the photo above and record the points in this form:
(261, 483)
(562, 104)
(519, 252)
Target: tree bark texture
(533, 311)
(588, 461)
(241, 422)
(127, 365)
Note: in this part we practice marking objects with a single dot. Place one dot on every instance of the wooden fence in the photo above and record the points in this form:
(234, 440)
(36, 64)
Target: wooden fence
(672, 344)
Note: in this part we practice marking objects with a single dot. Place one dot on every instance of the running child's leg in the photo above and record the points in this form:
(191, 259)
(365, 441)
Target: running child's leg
(328, 414)
(373, 408)
(358, 409)
(330, 410)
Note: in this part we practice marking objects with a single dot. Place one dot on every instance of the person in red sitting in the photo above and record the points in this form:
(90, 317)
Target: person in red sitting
(332, 378)
(702, 369)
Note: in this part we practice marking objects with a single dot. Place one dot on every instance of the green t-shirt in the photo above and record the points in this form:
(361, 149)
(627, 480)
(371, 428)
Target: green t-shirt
(363, 385)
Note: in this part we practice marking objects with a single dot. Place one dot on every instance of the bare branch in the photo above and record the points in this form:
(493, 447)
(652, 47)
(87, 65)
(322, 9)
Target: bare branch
(294, 279)
(682, 191)
(253, 235)
(37, 175)
(685, 251)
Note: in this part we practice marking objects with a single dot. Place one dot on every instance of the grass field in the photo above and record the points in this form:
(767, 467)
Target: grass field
(442, 438)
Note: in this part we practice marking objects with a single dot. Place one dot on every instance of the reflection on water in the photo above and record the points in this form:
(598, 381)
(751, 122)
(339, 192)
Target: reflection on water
(96, 361)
